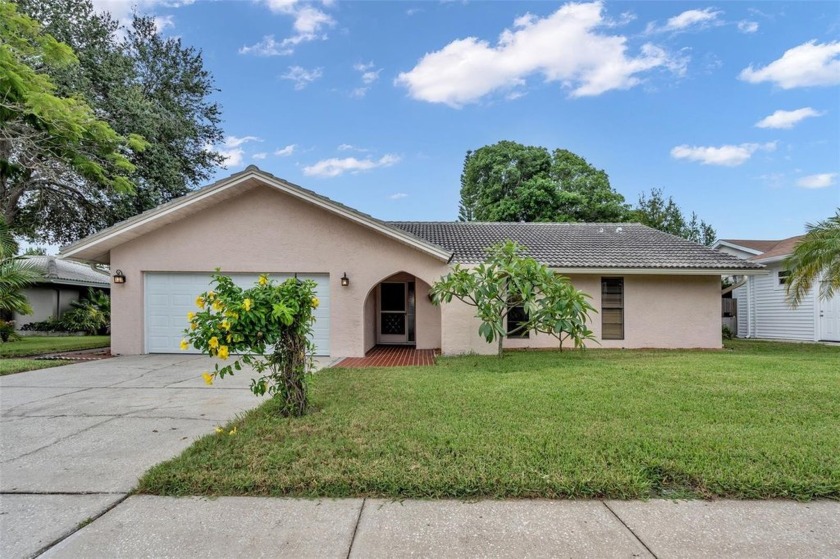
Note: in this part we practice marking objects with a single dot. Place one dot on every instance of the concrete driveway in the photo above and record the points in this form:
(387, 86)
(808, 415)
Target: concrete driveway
(74, 440)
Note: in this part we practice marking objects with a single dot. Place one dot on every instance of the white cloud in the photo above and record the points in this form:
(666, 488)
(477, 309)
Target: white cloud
(301, 76)
(787, 119)
(236, 141)
(351, 147)
(334, 167)
(261, 155)
(231, 150)
(566, 46)
(821, 180)
(309, 25)
(698, 19)
(398, 196)
(369, 75)
(267, 47)
(164, 22)
(726, 156)
(809, 64)
(747, 26)
(286, 151)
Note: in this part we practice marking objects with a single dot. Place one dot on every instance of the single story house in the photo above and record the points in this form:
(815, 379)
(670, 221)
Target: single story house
(62, 282)
(651, 289)
(763, 307)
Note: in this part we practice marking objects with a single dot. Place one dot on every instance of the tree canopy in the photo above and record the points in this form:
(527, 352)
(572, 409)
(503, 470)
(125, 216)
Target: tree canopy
(508, 181)
(816, 259)
(51, 144)
(654, 211)
(142, 85)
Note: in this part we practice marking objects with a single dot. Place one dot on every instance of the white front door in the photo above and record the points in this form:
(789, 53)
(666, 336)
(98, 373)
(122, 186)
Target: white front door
(829, 319)
(392, 327)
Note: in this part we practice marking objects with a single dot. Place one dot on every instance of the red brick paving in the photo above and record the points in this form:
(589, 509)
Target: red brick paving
(391, 356)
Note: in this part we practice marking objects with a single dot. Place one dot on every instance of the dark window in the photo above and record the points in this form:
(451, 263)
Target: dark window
(393, 297)
(612, 308)
(515, 319)
(783, 276)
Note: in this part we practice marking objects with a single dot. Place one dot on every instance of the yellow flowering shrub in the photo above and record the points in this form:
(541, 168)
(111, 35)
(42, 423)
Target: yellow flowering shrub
(267, 327)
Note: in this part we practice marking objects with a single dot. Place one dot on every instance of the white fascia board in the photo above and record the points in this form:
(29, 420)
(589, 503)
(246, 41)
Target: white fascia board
(737, 247)
(662, 271)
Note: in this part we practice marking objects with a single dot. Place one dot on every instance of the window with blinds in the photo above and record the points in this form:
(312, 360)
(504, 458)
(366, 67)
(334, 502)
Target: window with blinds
(612, 308)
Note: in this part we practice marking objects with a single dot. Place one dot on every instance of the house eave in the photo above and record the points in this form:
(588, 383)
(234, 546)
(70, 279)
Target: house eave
(742, 248)
(661, 271)
(74, 283)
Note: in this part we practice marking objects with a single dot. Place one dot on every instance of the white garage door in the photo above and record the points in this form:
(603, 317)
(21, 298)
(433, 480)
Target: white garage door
(170, 296)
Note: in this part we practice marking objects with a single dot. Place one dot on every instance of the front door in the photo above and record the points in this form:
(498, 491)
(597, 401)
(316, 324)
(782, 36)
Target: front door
(393, 313)
(830, 318)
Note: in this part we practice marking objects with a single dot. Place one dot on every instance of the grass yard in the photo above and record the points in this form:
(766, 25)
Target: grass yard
(40, 345)
(12, 366)
(757, 420)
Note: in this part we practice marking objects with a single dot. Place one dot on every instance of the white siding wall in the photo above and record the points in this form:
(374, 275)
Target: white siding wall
(740, 293)
(771, 315)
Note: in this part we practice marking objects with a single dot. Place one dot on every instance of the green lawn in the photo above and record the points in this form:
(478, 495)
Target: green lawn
(756, 420)
(39, 345)
(11, 366)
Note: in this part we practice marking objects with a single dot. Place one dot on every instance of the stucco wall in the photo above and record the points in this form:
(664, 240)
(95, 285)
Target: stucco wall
(44, 301)
(659, 311)
(263, 230)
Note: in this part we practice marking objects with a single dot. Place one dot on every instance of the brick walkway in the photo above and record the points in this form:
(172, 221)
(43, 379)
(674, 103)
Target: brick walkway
(391, 356)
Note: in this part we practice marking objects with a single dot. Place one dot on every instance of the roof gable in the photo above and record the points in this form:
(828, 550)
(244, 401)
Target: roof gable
(97, 247)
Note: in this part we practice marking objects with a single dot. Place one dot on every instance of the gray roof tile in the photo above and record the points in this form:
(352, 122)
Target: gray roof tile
(57, 270)
(576, 245)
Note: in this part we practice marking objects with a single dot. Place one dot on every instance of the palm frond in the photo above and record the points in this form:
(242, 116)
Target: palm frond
(816, 258)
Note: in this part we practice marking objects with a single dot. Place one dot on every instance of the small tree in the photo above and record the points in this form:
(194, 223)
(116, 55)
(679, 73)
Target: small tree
(815, 260)
(268, 325)
(509, 279)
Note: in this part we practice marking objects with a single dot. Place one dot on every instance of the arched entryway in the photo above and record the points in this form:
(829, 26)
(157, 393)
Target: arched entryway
(399, 312)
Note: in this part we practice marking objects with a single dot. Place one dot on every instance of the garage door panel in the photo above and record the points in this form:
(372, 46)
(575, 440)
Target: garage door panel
(170, 296)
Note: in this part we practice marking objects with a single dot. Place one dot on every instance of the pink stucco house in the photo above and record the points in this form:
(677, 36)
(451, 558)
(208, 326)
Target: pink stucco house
(651, 289)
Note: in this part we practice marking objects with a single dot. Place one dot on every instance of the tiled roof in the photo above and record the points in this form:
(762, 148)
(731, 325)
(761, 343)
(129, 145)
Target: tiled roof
(576, 245)
(779, 248)
(56, 270)
(761, 246)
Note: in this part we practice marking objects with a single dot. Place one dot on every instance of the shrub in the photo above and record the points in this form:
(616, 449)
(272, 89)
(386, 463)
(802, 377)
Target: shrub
(91, 314)
(269, 325)
(7, 331)
(49, 325)
(726, 332)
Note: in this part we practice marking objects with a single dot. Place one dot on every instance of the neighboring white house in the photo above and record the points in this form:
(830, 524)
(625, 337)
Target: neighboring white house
(763, 308)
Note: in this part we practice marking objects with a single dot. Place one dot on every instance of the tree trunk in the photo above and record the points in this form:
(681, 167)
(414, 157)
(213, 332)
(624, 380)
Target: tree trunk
(500, 354)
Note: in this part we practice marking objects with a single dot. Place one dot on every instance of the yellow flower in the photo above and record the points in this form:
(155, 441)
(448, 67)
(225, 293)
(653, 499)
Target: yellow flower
(219, 430)
(232, 314)
(315, 302)
(193, 325)
(199, 302)
(185, 345)
(263, 279)
(208, 378)
(223, 352)
(232, 431)
(246, 304)
(211, 295)
(224, 325)
(190, 316)
(217, 306)
(213, 342)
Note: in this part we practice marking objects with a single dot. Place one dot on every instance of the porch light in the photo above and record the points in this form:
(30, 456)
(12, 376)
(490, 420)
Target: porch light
(119, 277)
(345, 281)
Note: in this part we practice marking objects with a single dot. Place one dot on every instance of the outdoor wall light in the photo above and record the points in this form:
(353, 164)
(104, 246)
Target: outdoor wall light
(119, 277)
(345, 281)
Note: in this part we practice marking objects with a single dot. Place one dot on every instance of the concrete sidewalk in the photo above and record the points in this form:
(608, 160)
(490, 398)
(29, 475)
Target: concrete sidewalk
(144, 526)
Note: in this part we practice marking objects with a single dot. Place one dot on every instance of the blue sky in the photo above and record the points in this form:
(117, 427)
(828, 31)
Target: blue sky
(731, 108)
